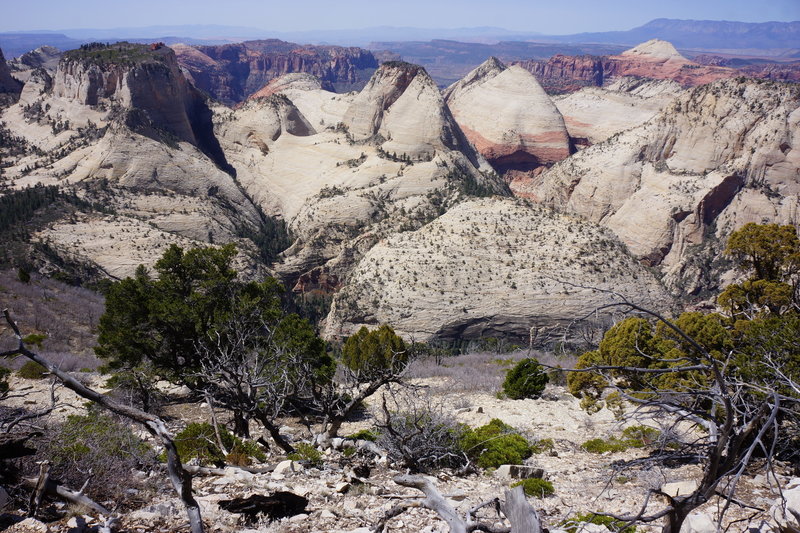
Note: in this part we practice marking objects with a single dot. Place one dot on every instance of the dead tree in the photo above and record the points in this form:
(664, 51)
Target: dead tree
(517, 510)
(741, 418)
(180, 479)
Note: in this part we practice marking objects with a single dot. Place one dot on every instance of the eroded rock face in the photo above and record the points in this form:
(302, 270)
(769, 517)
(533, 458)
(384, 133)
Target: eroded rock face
(723, 154)
(402, 109)
(231, 73)
(655, 59)
(489, 267)
(45, 57)
(135, 77)
(9, 86)
(593, 114)
(509, 118)
(340, 195)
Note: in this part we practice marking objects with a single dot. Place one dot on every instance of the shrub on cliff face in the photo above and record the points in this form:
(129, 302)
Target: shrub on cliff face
(525, 380)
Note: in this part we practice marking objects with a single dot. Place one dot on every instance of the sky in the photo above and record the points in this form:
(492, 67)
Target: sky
(545, 16)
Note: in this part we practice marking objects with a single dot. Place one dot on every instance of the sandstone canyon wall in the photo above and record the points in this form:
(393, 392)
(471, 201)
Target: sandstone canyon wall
(230, 73)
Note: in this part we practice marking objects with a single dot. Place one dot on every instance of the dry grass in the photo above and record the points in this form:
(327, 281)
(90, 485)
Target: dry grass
(66, 315)
(479, 371)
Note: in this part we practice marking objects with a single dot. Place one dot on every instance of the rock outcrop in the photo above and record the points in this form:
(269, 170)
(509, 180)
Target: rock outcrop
(509, 118)
(767, 70)
(145, 83)
(10, 87)
(489, 268)
(593, 114)
(342, 181)
(121, 126)
(230, 73)
(655, 59)
(45, 57)
(402, 109)
(717, 157)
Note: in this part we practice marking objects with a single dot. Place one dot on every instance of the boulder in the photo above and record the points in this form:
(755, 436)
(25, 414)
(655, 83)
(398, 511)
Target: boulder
(519, 472)
(679, 488)
(699, 523)
(786, 511)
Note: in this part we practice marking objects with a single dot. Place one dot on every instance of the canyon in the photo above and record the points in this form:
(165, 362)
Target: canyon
(331, 191)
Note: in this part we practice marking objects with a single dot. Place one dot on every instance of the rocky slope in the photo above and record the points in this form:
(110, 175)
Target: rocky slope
(593, 114)
(654, 59)
(402, 110)
(345, 170)
(717, 157)
(509, 275)
(120, 126)
(230, 73)
(45, 57)
(509, 118)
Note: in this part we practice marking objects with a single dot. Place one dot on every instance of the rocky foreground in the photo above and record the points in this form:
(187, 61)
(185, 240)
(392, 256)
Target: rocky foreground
(350, 494)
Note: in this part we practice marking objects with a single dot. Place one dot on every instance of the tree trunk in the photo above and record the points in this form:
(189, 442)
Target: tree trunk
(181, 480)
(240, 426)
(275, 433)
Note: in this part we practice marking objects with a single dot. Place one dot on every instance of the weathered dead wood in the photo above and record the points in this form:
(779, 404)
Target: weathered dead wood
(39, 486)
(521, 515)
(519, 512)
(52, 488)
(181, 480)
(210, 471)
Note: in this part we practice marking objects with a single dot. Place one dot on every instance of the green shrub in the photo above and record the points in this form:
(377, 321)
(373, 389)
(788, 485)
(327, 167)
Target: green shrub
(640, 436)
(32, 370)
(371, 353)
(306, 452)
(602, 446)
(574, 525)
(495, 444)
(525, 380)
(364, 434)
(543, 446)
(632, 437)
(536, 487)
(35, 339)
(198, 441)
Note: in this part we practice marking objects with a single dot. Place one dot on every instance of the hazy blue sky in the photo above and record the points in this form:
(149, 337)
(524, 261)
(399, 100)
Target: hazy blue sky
(546, 16)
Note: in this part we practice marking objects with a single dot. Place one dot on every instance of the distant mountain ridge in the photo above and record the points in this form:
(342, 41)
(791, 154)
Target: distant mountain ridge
(704, 34)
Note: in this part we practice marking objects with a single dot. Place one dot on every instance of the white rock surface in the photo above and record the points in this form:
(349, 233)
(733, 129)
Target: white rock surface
(509, 118)
(725, 153)
(488, 267)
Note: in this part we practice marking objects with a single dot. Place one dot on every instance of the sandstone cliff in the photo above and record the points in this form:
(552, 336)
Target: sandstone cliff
(340, 192)
(654, 59)
(9, 86)
(509, 118)
(122, 128)
(230, 73)
(45, 57)
(402, 110)
(593, 114)
(715, 158)
(489, 268)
